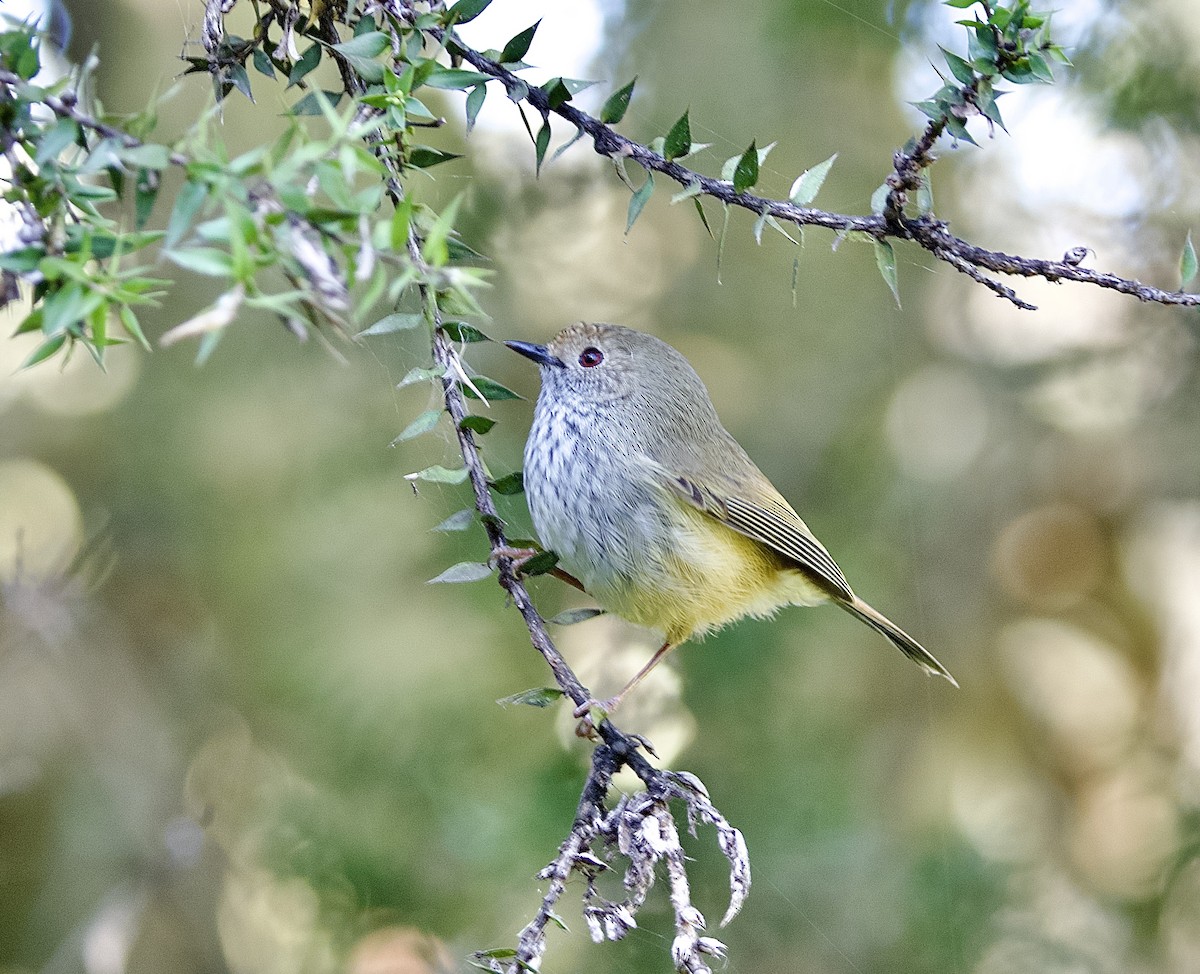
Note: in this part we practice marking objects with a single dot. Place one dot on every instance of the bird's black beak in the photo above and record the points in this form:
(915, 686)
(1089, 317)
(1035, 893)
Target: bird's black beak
(538, 353)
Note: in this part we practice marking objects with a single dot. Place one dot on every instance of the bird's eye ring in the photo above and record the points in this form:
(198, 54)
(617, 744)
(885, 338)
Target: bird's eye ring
(590, 357)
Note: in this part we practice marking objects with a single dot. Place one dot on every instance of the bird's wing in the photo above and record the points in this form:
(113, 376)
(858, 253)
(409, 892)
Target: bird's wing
(769, 520)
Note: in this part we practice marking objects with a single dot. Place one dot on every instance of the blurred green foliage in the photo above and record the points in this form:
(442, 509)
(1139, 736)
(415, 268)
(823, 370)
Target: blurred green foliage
(252, 739)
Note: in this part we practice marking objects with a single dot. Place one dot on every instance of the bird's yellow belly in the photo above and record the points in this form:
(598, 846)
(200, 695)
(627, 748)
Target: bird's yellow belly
(710, 576)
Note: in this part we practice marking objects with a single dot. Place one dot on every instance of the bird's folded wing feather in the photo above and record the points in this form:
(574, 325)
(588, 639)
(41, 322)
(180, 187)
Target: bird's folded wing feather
(770, 521)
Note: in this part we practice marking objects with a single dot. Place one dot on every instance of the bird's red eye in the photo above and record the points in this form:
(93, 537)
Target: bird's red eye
(589, 358)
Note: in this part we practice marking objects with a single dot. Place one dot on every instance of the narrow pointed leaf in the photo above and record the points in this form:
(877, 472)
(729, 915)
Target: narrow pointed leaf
(490, 389)
(703, 217)
(419, 375)
(477, 424)
(422, 424)
(745, 174)
(518, 46)
(534, 697)
(637, 202)
(617, 104)
(961, 69)
(474, 103)
(401, 321)
(461, 332)
(509, 485)
(464, 571)
(679, 139)
(572, 616)
(805, 188)
(885, 258)
(1187, 262)
(439, 475)
(540, 564)
(541, 143)
(458, 521)
(691, 189)
(467, 10)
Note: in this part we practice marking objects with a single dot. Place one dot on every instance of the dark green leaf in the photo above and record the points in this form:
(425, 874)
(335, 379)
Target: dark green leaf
(703, 217)
(540, 564)
(424, 156)
(985, 99)
(477, 424)
(957, 128)
(557, 92)
(474, 104)
(461, 332)
(458, 521)
(679, 139)
(1040, 68)
(885, 258)
(745, 175)
(637, 202)
(240, 80)
(262, 63)
(509, 485)
(145, 194)
(44, 351)
(466, 10)
(422, 424)
(308, 61)
(22, 261)
(541, 143)
(464, 571)
(490, 389)
(958, 67)
(617, 104)
(571, 616)
(518, 46)
(534, 697)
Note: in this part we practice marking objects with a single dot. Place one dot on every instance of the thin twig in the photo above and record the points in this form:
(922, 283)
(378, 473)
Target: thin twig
(925, 231)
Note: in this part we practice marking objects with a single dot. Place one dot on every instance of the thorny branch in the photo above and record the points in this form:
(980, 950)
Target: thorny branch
(926, 232)
(640, 827)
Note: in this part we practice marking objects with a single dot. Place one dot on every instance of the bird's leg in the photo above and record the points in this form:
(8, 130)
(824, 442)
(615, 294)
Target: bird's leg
(521, 555)
(587, 725)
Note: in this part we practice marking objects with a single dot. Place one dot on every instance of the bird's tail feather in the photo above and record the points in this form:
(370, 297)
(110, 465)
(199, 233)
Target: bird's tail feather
(898, 637)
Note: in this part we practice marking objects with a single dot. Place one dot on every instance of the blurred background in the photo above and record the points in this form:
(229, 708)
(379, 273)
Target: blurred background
(239, 733)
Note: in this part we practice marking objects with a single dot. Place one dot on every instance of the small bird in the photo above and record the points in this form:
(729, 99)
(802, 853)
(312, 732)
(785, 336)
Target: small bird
(655, 508)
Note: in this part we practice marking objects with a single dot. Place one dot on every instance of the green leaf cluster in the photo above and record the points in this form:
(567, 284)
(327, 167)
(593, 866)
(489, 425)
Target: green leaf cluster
(1005, 41)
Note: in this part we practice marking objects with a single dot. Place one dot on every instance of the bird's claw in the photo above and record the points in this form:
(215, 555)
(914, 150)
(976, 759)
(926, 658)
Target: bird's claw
(592, 713)
(518, 556)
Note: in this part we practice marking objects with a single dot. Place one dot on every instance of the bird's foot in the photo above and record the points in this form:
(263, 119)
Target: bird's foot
(522, 556)
(518, 555)
(592, 713)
